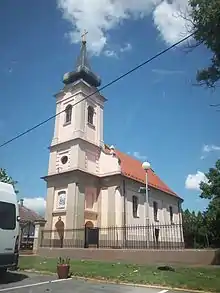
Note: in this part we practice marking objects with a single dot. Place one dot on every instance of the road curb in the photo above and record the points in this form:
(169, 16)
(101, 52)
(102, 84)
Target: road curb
(140, 285)
(100, 280)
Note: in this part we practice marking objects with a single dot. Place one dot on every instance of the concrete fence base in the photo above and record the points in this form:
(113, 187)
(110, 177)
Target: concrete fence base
(183, 256)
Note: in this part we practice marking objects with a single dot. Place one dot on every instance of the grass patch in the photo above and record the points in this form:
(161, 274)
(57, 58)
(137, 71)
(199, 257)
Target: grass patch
(197, 278)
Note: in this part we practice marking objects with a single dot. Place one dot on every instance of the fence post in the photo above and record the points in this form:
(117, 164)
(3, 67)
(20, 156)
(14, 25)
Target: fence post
(39, 226)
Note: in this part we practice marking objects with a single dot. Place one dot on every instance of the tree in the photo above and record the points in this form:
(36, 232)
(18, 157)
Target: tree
(211, 190)
(205, 15)
(189, 221)
(202, 229)
(195, 232)
(212, 222)
(4, 177)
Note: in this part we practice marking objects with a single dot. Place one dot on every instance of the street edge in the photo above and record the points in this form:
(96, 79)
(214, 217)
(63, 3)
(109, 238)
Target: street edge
(100, 280)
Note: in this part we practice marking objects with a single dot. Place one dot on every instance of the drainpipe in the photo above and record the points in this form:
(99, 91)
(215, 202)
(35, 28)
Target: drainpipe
(146, 167)
(181, 224)
(125, 219)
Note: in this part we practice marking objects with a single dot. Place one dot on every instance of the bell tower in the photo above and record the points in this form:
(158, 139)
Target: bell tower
(78, 135)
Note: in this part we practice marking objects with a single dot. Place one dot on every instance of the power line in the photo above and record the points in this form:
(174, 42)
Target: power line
(98, 90)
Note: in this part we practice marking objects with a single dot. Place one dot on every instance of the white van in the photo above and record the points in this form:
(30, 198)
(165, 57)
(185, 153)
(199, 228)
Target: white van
(9, 228)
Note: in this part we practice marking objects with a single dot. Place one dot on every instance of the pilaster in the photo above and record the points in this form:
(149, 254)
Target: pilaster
(80, 207)
(49, 207)
(111, 205)
(71, 206)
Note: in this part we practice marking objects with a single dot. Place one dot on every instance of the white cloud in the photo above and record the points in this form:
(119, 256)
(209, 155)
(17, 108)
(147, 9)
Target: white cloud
(167, 71)
(210, 148)
(139, 156)
(36, 204)
(110, 53)
(170, 19)
(113, 53)
(193, 180)
(99, 17)
(126, 48)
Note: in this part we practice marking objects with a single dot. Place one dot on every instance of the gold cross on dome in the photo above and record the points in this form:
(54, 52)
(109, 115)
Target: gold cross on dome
(83, 36)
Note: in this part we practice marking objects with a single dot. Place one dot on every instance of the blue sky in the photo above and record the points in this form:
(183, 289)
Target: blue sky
(155, 113)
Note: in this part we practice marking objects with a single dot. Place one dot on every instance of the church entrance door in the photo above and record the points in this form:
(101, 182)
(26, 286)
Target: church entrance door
(91, 235)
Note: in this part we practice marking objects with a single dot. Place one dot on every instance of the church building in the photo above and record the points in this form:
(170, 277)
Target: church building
(92, 184)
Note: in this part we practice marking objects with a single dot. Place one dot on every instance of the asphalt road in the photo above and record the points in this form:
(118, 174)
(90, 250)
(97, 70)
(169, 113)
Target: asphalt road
(32, 283)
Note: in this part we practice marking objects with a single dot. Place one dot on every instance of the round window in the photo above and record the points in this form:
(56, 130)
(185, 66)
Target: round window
(64, 159)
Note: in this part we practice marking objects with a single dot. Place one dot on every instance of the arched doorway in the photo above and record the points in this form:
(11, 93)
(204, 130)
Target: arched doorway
(89, 224)
(91, 235)
(60, 230)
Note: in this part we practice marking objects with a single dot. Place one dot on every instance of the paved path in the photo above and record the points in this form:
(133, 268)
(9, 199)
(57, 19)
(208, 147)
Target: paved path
(19, 283)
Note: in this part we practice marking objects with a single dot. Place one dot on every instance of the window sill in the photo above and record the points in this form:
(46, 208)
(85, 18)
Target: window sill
(91, 125)
(57, 213)
(67, 123)
(59, 210)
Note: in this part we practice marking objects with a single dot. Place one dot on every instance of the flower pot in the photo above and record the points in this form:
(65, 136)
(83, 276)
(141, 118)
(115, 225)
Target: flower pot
(63, 271)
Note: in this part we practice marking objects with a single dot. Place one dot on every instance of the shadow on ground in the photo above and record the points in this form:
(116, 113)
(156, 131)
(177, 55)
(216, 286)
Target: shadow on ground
(12, 277)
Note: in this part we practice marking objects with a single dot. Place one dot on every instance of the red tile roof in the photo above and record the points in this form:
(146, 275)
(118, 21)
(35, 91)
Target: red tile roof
(132, 168)
(28, 215)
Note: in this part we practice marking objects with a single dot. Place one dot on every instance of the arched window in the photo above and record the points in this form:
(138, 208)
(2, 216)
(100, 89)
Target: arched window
(155, 207)
(61, 200)
(68, 114)
(171, 214)
(90, 115)
(135, 206)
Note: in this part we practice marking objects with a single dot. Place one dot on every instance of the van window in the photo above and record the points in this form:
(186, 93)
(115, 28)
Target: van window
(7, 216)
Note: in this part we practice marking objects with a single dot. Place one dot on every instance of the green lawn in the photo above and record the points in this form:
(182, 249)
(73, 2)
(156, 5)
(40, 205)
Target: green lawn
(198, 278)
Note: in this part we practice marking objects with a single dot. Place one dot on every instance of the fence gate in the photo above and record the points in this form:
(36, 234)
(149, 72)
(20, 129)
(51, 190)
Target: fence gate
(91, 237)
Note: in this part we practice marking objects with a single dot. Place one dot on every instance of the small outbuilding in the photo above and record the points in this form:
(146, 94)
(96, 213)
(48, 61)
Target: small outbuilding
(28, 218)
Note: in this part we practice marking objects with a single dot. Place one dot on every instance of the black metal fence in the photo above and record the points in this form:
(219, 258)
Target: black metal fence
(27, 235)
(26, 242)
(131, 237)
